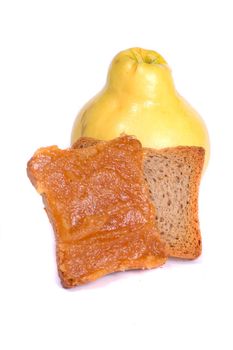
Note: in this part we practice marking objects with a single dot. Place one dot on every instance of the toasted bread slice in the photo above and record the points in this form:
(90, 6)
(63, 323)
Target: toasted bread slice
(100, 208)
(173, 175)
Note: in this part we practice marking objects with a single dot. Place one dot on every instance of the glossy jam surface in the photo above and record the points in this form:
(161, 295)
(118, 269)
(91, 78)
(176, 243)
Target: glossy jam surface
(98, 203)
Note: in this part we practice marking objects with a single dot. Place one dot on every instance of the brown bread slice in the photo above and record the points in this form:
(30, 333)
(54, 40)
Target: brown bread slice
(173, 175)
(99, 205)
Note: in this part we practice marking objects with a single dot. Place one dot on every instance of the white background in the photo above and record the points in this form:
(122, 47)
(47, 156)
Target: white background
(54, 56)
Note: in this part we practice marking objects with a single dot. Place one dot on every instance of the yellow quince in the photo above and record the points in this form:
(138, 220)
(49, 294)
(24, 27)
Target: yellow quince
(140, 99)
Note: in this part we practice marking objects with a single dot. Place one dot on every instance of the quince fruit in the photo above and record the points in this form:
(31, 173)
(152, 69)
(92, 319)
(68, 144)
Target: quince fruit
(140, 99)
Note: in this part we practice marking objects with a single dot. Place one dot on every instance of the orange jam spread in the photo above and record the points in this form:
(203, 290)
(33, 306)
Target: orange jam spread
(100, 209)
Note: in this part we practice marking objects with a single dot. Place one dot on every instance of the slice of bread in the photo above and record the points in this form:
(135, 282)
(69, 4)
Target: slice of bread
(173, 175)
(99, 205)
